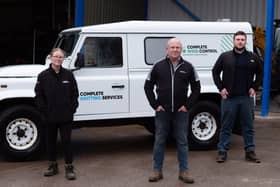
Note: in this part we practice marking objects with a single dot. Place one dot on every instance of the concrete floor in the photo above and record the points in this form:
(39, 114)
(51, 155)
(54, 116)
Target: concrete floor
(122, 157)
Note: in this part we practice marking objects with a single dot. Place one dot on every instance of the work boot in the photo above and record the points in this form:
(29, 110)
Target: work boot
(252, 157)
(222, 157)
(52, 169)
(69, 172)
(186, 177)
(155, 176)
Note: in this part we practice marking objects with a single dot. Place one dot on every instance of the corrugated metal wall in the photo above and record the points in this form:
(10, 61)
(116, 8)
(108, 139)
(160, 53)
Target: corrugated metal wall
(253, 11)
(105, 11)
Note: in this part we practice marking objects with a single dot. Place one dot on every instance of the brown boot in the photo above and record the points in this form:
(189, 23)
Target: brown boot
(186, 177)
(221, 157)
(252, 157)
(155, 176)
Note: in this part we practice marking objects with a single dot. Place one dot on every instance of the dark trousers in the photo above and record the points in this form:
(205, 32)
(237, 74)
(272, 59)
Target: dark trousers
(65, 130)
(163, 124)
(231, 107)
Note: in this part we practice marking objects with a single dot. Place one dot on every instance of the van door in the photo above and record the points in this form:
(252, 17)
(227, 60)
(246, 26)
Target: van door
(103, 77)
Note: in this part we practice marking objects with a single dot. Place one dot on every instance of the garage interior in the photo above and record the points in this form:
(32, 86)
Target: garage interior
(30, 27)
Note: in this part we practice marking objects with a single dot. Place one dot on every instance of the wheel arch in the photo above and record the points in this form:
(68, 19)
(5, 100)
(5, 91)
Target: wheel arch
(213, 97)
(7, 103)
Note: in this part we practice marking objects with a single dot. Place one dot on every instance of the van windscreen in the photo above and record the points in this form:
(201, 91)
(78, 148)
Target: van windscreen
(67, 41)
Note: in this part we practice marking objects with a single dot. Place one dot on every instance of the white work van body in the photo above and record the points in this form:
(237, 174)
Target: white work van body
(110, 63)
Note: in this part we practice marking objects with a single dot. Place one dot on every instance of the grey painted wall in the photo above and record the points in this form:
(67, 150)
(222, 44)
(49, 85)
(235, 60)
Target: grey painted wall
(105, 11)
(253, 11)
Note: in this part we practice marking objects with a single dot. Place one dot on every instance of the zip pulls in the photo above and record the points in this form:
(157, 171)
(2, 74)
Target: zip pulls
(173, 71)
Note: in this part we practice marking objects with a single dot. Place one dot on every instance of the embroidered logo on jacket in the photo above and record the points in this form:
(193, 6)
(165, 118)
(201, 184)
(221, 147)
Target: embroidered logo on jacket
(181, 71)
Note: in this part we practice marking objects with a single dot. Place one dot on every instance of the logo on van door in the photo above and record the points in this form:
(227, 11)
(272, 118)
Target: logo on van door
(97, 95)
(198, 50)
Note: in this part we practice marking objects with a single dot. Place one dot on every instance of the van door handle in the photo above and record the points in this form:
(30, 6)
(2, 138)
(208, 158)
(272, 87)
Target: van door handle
(117, 86)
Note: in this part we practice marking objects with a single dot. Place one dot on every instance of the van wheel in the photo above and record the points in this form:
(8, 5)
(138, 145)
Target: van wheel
(204, 125)
(21, 132)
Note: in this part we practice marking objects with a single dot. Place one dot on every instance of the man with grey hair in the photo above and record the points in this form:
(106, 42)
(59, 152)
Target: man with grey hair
(172, 77)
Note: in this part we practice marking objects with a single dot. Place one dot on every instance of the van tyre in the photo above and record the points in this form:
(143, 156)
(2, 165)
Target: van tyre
(204, 125)
(21, 132)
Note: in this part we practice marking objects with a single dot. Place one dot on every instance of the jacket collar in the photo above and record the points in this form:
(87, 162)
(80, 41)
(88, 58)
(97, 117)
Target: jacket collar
(53, 72)
(243, 53)
(179, 61)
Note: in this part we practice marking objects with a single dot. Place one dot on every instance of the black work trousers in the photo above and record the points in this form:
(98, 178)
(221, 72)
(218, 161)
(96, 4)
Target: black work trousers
(65, 130)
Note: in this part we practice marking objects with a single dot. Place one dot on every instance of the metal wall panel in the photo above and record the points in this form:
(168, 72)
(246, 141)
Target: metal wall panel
(105, 11)
(253, 11)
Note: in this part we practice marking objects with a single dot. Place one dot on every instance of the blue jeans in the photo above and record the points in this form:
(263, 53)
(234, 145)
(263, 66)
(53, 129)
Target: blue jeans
(163, 121)
(240, 108)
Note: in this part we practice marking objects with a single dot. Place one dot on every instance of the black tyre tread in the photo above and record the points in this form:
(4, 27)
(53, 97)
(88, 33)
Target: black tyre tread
(214, 109)
(31, 153)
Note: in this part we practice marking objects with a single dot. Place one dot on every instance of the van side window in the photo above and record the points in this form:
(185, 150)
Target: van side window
(155, 49)
(102, 52)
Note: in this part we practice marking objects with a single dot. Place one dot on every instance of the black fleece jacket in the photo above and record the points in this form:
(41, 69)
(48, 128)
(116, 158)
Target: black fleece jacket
(172, 85)
(56, 95)
(226, 64)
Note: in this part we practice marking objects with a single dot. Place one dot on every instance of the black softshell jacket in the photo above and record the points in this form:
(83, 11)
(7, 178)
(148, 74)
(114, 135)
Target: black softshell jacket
(226, 64)
(56, 95)
(172, 85)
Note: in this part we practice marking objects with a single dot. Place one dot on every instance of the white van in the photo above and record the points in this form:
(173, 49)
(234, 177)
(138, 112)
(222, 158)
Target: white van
(111, 63)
